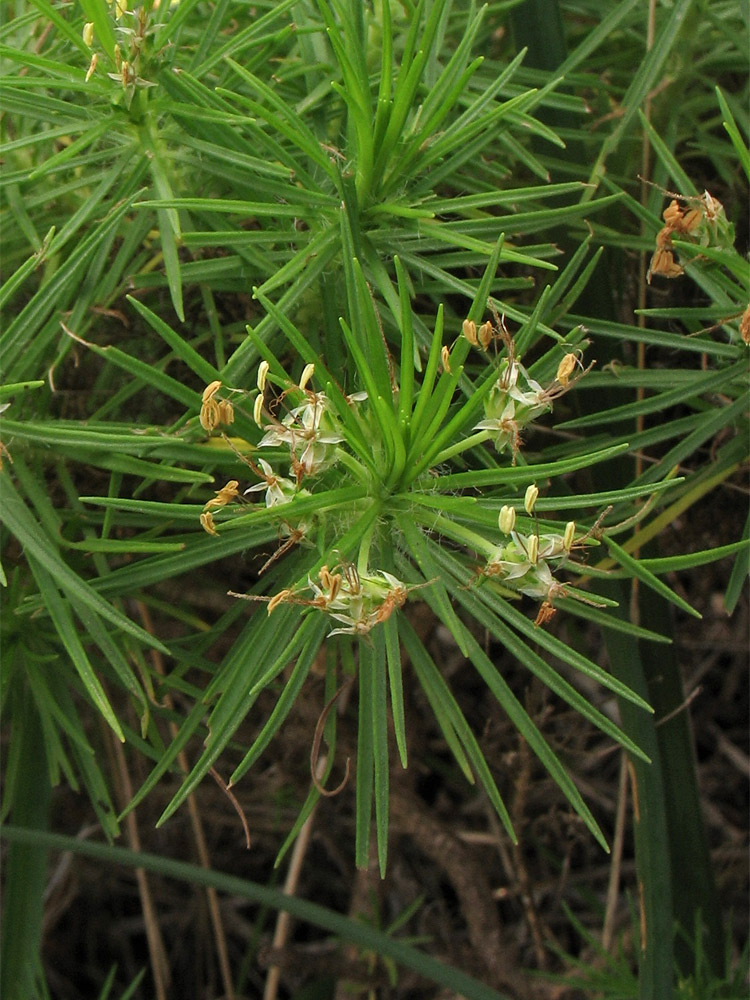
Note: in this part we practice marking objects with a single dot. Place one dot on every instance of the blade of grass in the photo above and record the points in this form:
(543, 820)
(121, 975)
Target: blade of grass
(380, 748)
(361, 935)
(19, 520)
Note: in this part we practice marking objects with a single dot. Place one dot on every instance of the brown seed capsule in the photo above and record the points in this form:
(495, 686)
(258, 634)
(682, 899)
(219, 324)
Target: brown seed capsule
(445, 357)
(224, 496)
(394, 600)
(565, 368)
(278, 599)
(690, 221)
(211, 389)
(745, 327)
(352, 578)
(545, 614)
(207, 523)
(209, 415)
(226, 412)
(469, 328)
(484, 334)
(672, 214)
(663, 263)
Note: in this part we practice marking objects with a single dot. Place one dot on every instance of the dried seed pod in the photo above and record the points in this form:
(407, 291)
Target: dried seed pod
(394, 600)
(207, 523)
(672, 214)
(469, 329)
(545, 614)
(224, 496)
(226, 412)
(745, 327)
(352, 578)
(209, 415)
(690, 221)
(663, 263)
(565, 368)
(277, 599)
(485, 335)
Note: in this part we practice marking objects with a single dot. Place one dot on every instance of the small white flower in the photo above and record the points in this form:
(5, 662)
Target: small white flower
(278, 489)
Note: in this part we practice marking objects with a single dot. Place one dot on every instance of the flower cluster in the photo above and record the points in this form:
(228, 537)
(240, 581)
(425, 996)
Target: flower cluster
(309, 430)
(516, 400)
(128, 52)
(704, 223)
(522, 563)
(360, 601)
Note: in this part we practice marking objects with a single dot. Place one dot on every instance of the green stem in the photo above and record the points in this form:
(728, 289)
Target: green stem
(455, 531)
(365, 545)
(455, 449)
(353, 465)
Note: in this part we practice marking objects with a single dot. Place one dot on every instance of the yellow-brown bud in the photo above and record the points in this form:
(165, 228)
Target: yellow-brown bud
(569, 535)
(530, 498)
(507, 519)
(469, 328)
(485, 335)
(533, 549)
(565, 369)
(207, 523)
